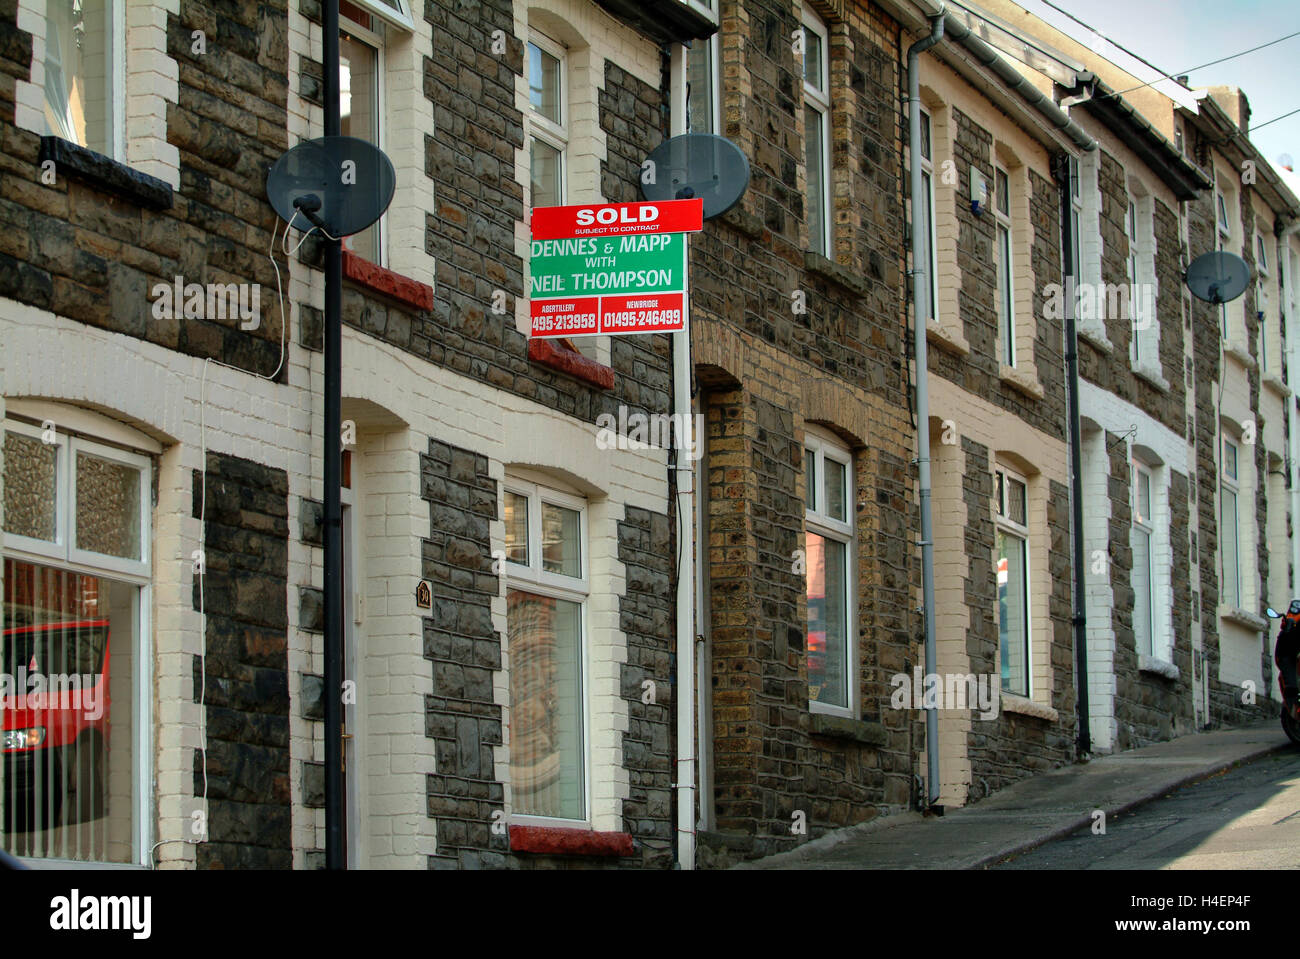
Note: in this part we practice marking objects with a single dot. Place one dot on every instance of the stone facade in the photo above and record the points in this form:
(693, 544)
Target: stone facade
(767, 369)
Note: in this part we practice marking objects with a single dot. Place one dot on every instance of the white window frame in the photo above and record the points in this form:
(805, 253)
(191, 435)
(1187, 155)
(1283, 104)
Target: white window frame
(532, 578)
(64, 550)
(1134, 271)
(1224, 232)
(548, 131)
(1146, 525)
(375, 40)
(400, 17)
(820, 101)
(1230, 482)
(1261, 298)
(927, 171)
(818, 520)
(715, 86)
(116, 121)
(1006, 268)
(139, 575)
(1009, 526)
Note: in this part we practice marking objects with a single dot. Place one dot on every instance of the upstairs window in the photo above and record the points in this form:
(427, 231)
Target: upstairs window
(361, 72)
(817, 136)
(925, 216)
(1263, 313)
(1004, 251)
(549, 139)
(85, 45)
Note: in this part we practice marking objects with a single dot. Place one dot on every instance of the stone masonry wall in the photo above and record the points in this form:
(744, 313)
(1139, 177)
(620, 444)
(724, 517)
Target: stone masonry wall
(247, 689)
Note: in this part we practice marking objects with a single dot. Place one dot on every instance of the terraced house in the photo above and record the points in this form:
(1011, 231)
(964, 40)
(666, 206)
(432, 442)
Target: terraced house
(511, 697)
(512, 657)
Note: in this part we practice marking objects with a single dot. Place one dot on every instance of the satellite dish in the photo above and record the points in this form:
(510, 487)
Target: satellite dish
(698, 165)
(341, 184)
(1217, 277)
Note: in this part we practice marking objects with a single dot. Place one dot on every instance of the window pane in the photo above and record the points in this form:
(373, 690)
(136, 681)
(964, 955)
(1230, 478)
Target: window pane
(1006, 315)
(1143, 514)
(78, 81)
(516, 528)
(546, 173)
(828, 634)
(1002, 187)
(810, 478)
(1229, 460)
(1013, 614)
(813, 55)
(1142, 604)
(561, 540)
(359, 117)
(544, 83)
(546, 747)
(700, 87)
(815, 164)
(927, 226)
(925, 135)
(30, 487)
(108, 507)
(1228, 548)
(836, 489)
(68, 786)
(1017, 505)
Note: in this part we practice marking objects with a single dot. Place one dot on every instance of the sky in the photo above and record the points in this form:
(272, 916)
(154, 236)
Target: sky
(1175, 35)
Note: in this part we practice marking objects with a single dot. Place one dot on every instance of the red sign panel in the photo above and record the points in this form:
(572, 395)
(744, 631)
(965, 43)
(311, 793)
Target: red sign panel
(609, 315)
(566, 317)
(642, 313)
(617, 219)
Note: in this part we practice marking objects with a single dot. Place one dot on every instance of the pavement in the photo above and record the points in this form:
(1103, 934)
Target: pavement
(1033, 811)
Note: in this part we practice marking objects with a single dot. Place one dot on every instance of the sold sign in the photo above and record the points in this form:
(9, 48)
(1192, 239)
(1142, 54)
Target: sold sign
(610, 268)
(617, 219)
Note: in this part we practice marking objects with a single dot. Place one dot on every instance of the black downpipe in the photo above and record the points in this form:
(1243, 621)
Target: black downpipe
(1076, 455)
(333, 479)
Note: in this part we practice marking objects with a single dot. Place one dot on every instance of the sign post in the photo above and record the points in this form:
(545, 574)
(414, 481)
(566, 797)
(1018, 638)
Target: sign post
(616, 269)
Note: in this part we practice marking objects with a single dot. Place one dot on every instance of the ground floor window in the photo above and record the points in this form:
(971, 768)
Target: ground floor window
(1011, 496)
(546, 574)
(76, 568)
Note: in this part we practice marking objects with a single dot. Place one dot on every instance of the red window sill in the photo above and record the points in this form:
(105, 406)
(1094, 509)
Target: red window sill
(559, 355)
(393, 285)
(559, 841)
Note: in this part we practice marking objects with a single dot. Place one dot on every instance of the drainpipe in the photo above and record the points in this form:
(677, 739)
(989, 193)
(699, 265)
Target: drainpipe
(920, 312)
(1084, 740)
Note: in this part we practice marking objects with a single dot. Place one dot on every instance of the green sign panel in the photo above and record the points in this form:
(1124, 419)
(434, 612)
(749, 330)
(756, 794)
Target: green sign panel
(605, 266)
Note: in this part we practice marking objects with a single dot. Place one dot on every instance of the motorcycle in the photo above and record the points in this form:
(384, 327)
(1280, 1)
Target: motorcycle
(1286, 652)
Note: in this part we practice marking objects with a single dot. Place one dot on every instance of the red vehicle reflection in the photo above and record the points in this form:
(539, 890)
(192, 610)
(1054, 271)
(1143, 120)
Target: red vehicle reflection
(54, 713)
